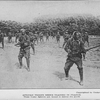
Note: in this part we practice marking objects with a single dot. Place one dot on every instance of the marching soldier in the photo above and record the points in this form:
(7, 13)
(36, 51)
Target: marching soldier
(32, 41)
(41, 36)
(36, 37)
(2, 38)
(58, 37)
(74, 48)
(9, 37)
(24, 43)
(85, 38)
(53, 35)
(47, 36)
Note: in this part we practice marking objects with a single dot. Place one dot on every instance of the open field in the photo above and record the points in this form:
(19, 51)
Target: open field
(47, 67)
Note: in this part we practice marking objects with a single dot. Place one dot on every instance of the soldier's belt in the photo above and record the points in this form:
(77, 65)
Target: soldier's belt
(74, 54)
(25, 48)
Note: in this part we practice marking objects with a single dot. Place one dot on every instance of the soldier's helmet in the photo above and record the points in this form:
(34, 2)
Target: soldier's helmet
(86, 32)
(66, 32)
(22, 31)
(75, 33)
(79, 35)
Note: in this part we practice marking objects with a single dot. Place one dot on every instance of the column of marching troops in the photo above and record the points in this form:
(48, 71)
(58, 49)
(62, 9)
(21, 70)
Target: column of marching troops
(73, 45)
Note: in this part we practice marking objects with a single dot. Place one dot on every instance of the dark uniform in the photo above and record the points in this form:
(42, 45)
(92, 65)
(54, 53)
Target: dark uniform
(41, 37)
(24, 43)
(53, 35)
(9, 37)
(32, 41)
(47, 36)
(58, 37)
(85, 38)
(2, 39)
(36, 38)
(75, 48)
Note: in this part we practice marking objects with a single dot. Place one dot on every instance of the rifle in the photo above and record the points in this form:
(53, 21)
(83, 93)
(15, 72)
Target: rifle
(87, 49)
(92, 47)
(18, 44)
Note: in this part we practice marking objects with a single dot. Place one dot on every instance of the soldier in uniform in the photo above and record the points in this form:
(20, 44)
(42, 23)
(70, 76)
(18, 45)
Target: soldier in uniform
(53, 35)
(2, 38)
(36, 37)
(41, 37)
(24, 43)
(74, 48)
(32, 41)
(47, 36)
(58, 37)
(85, 38)
(9, 37)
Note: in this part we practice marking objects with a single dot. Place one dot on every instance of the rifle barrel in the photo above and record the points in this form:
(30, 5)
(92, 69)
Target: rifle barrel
(92, 47)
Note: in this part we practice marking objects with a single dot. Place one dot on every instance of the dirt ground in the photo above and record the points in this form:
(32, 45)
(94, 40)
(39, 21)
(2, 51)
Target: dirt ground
(47, 67)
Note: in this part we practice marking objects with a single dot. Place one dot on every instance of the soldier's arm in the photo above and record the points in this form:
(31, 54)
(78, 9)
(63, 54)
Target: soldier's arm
(19, 42)
(67, 47)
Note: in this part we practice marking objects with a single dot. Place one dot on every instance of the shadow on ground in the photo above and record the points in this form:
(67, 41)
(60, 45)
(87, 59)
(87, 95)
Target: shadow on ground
(62, 77)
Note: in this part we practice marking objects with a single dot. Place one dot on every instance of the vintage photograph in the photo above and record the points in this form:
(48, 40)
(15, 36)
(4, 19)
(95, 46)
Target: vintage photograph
(50, 44)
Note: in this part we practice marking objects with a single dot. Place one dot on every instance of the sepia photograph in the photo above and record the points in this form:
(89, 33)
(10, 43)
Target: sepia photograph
(50, 44)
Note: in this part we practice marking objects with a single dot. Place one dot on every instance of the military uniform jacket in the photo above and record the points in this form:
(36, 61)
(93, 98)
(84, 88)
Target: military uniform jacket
(24, 41)
(76, 47)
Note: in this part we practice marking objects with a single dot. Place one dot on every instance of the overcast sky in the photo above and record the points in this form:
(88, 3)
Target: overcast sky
(26, 11)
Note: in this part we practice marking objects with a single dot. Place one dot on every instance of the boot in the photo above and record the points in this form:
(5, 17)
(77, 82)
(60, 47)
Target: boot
(33, 51)
(20, 62)
(28, 64)
(81, 76)
(84, 56)
(66, 73)
(3, 44)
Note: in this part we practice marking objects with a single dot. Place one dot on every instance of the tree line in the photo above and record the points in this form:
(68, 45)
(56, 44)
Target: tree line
(79, 23)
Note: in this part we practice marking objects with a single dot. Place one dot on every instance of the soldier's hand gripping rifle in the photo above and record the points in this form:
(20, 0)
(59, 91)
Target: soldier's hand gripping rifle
(19, 44)
(22, 45)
